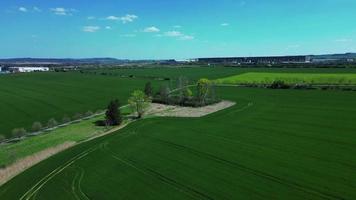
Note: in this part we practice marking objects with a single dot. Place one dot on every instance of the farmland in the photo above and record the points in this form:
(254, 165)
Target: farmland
(274, 144)
(194, 72)
(291, 78)
(26, 98)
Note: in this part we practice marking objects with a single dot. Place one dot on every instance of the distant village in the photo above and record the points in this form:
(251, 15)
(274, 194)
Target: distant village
(26, 65)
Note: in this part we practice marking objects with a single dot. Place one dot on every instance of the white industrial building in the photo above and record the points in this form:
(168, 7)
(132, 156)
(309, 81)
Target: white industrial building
(28, 69)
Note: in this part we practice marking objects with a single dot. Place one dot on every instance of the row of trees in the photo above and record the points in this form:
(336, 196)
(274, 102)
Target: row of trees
(51, 123)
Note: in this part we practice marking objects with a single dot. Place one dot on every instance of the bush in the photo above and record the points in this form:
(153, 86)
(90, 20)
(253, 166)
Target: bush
(52, 123)
(89, 113)
(77, 116)
(65, 119)
(36, 126)
(19, 132)
(279, 85)
(2, 138)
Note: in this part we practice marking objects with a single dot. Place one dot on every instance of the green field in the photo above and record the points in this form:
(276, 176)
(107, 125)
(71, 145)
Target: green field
(291, 78)
(274, 144)
(195, 73)
(26, 98)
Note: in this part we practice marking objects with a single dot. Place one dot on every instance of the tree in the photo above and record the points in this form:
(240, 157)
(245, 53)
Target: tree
(65, 119)
(203, 90)
(148, 89)
(139, 102)
(18, 132)
(164, 93)
(113, 115)
(36, 126)
(187, 94)
(182, 84)
(52, 123)
(2, 138)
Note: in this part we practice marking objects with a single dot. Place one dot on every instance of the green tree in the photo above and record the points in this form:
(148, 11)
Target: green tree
(139, 102)
(2, 138)
(65, 119)
(19, 132)
(187, 94)
(164, 93)
(203, 86)
(113, 115)
(36, 126)
(148, 89)
(52, 123)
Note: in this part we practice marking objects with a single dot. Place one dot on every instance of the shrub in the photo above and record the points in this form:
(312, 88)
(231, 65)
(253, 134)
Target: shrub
(77, 116)
(65, 119)
(19, 132)
(89, 113)
(52, 123)
(36, 126)
(2, 138)
(279, 85)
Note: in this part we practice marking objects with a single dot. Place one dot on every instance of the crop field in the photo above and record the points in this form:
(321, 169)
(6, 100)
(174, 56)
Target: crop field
(274, 144)
(195, 73)
(291, 78)
(26, 98)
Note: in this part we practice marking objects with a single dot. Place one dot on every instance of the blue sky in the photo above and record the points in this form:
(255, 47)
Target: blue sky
(161, 29)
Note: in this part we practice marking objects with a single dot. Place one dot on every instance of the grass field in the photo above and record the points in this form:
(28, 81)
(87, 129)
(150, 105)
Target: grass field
(195, 73)
(26, 98)
(288, 144)
(291, 78)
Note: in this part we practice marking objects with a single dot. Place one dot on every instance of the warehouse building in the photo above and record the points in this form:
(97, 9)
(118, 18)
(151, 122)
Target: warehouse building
(256, 60)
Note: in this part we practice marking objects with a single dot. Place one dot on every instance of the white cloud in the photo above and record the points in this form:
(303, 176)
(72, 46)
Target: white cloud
(173, 34)
(343, 40)
(23, 9)
(112, 18)
(91, 29)
(124, 19)
(177, 26)
(187, 37)
(62, 11)
(151, 29)
(177, 34)
(128, 18)
(128, 35)
(36, 9)
(225, 24)
(91, 17)
(108, 27)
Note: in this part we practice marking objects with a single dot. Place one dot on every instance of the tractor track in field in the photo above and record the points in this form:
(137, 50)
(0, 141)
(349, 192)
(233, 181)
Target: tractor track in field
(192, 192)
(255, 172)
(32, 192)
(76, 185)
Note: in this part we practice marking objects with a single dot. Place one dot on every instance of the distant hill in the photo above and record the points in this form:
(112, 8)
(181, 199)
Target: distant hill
(335, 56)
(62, 61)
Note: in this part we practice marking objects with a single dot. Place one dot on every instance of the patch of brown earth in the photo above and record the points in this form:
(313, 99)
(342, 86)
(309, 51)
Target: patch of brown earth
(162, 110)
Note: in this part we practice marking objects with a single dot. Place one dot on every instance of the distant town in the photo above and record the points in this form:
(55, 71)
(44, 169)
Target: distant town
(23, 65)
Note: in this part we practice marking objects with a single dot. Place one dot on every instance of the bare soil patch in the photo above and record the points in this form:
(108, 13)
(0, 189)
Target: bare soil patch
(162, 110)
